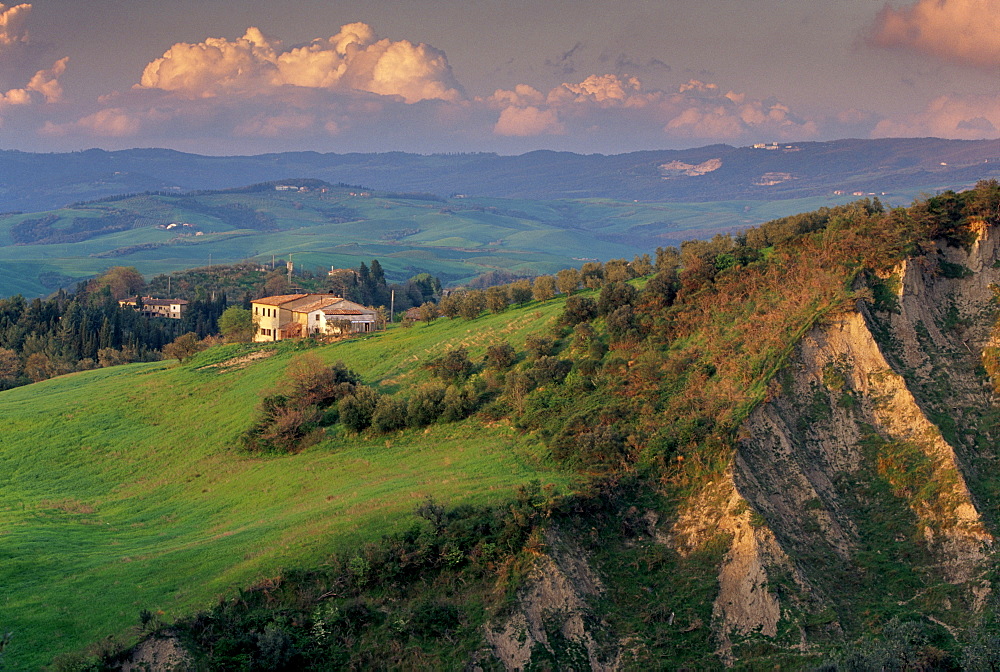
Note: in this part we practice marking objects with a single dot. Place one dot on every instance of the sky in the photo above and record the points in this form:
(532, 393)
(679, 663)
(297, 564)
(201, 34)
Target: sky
(506, 76)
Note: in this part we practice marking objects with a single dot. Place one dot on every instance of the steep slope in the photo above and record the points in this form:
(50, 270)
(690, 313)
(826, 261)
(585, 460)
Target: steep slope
(869, 461)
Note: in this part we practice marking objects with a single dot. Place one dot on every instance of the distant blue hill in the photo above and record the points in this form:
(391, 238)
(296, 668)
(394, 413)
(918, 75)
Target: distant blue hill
(907, 166)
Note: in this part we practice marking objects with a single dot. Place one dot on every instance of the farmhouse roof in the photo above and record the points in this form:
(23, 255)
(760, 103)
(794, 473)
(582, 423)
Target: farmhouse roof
(149, 301)
(346, 311)
(318, 304)
(279, 300)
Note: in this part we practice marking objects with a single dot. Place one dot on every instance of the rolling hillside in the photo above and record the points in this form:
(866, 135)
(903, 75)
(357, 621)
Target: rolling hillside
(123, 489)
(776, 451)
(454, 239)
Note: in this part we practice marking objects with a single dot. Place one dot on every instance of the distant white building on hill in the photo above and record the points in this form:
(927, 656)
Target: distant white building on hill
(150, 307)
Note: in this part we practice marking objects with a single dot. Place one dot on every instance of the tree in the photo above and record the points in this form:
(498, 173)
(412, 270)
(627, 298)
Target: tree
(450, 305)
(617, 270)
(10, 367)
(123, 281)
(473, 303)
(520, 291)
(37, 366)
(578, 309)
(428, 312)
(544, 288)
(237, 325)
(183, 347)
(500, 356)
(452, 366)
(641, 265)
(496, 299)
(592, 274)
(568, 280)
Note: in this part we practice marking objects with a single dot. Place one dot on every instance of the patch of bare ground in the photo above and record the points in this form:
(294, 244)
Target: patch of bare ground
(241, 362)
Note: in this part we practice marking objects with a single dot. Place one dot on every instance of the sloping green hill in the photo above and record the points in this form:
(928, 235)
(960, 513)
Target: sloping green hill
(121, 489)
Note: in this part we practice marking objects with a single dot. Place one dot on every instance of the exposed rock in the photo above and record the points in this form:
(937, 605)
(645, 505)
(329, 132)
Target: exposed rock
(864, 383)
(159, 654)
(552, 605)
(744, 604)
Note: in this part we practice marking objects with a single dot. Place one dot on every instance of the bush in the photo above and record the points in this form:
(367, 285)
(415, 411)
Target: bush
(537, 346)
(458, 403)
(390, 414)
(356, 410)
(281, 427)
(615, 295)
(426, 405)
(452, 366)
(314, 384)
(434, 619)
(500, 356)
(622, 325)
(183, 347)
(547, 369)
(578, 309)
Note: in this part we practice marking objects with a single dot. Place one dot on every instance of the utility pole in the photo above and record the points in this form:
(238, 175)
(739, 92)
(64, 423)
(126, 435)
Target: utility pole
(392, 304)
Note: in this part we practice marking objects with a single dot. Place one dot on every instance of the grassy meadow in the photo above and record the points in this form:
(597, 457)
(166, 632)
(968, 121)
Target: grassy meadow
(123, 489)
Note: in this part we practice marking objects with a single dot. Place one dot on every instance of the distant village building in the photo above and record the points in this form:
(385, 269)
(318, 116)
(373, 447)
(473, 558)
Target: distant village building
(298, 315)
(150, 307)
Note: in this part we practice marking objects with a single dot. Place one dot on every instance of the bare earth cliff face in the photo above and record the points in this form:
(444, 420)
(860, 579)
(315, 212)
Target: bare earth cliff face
(859, 488)
(868, 461)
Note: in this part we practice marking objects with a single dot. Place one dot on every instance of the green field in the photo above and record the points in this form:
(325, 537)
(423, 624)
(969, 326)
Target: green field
(121, 489)
(454, 239)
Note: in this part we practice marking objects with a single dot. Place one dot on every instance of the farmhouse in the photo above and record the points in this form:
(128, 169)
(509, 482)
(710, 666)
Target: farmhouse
(150, 307)
(297, 315)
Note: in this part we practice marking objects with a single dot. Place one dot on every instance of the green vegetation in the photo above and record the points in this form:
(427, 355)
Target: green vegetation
(626, 395)
(136, 465)
(338, 226)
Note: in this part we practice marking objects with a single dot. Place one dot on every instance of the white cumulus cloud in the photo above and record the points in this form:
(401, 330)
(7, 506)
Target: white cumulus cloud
(528, 121)
(13, 22)
(967, 31)
(17, 62)
(695, 110)
(352, 60)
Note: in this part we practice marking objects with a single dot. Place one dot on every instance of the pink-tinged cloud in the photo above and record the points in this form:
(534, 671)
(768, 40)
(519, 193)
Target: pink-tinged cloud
(16, 60)
(276, 126)
(107, 123)
(352, 60)
(955, 117)
(528, 121)
(967, 31)
(46, 82)
(13, 22)
(600, 89)
(696, 110)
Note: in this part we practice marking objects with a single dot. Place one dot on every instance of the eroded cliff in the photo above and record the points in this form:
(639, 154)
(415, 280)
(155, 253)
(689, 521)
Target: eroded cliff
(867, 469)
